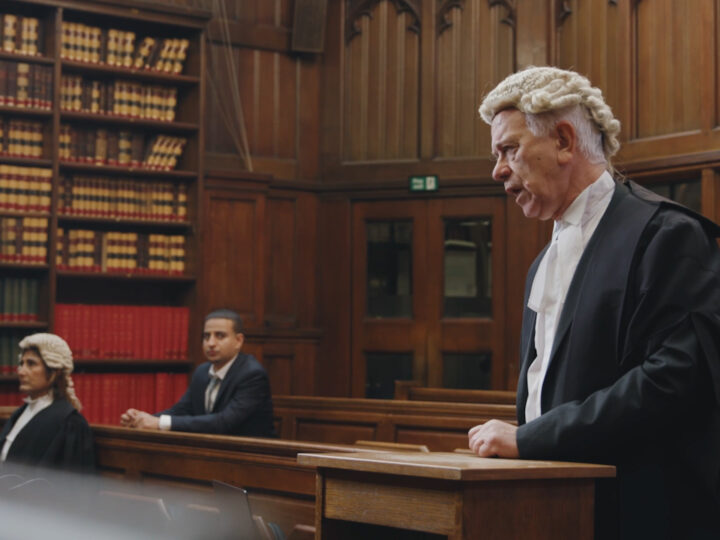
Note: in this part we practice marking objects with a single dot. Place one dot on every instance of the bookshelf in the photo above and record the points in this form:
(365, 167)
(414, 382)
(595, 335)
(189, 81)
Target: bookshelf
(101, 160)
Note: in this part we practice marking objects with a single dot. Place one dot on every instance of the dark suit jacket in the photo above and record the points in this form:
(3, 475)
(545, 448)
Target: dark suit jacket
(243, 405)
(634, 374)
(57, 437)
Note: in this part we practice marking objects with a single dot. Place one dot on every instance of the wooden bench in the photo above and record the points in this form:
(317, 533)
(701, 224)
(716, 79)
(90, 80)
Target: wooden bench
(280, 490)
(413, 391)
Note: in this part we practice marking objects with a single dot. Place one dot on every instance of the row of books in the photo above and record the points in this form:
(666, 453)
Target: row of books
(101, 332)
(121, 198)
(20, 138)
(120, 148)
(9, 339)
(120, 98)
(134, 253)
(83, 43)
(23, 240)
(26, 86)
(25, 189)
(105, 396)
(18, 299)
(20, 34)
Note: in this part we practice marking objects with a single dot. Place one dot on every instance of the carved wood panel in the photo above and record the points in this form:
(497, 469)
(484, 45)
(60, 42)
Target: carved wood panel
(474, 51)
(674, 40)
(593, 38)
(232, 251)
(381, 84)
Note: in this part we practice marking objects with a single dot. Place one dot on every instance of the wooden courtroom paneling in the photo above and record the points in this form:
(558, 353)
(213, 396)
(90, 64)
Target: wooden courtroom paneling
(593, 38)
(278, 91)
(334, 287)
(233, 254)
(381, 82)
(670, 39)
(473, 49)
(292, 258)
(441, 426)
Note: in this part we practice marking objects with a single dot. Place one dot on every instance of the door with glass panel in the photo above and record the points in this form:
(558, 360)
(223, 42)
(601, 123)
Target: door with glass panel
(427, 294)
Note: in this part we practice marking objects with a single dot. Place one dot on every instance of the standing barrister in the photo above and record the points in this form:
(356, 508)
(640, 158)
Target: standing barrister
(620, 344)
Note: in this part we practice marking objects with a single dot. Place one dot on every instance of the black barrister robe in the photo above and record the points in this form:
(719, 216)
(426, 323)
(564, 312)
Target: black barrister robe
(634, 374)
(57, 437)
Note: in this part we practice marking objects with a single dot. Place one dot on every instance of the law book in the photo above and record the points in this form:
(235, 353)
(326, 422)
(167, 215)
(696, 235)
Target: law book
(73, 42)
(124, 148)
(169, 104)
(95, 45)
(61, 251)
(101, 146)
(170, 54)
(159, 61)
(23, 188)
(4, 66)
(137, 145)
(128, 47)
(113, 147)
(65, 40)
(22, 90)
(28, 36)
(180, 56)
(9, 31)
(177, 254)
(47, 86)
(143, 52)
(112, 56)
(34, 180)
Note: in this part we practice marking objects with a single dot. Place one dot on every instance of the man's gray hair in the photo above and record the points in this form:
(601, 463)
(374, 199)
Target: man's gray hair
(539, 90)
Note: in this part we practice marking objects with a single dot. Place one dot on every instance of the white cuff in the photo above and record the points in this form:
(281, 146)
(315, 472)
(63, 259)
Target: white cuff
(165, 422)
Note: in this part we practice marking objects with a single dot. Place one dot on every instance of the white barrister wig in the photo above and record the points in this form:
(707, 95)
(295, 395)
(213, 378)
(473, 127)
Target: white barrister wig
(56, 354)
(537, 90)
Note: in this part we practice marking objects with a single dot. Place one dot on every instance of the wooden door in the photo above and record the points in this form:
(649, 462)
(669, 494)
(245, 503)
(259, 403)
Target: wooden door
(465, 266)
(389, 294)
(428, 294)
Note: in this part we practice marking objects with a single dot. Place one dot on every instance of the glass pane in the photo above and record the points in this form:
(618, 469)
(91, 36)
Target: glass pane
(468, 268)
(467, 371)
(686, 193)
(389, 269)
(382, 370)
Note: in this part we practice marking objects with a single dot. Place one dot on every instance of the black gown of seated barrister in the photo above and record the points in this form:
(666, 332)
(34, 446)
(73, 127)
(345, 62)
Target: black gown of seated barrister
(57, 437)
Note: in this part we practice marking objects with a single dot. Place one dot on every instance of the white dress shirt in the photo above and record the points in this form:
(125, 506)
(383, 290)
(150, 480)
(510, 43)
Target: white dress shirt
(571, 234)
(165, 422)
(34, 406)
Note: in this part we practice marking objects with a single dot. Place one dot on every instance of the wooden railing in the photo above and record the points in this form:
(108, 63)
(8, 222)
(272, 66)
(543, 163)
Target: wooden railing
(413, 391)
(439, 426)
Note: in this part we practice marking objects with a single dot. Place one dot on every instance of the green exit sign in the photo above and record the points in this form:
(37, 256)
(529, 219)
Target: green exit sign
(424, 183)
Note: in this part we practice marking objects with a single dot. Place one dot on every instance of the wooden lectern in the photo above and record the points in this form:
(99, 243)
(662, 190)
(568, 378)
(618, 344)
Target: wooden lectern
(379, 495)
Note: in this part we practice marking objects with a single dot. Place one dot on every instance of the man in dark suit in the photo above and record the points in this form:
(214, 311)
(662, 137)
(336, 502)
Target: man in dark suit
(229, 394)
(620, 343)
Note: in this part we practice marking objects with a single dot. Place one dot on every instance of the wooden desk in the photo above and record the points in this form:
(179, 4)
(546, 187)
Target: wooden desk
(454, 496)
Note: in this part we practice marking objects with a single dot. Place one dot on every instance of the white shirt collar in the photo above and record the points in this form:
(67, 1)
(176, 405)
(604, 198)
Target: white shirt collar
(42, 401)
(220, 373)
(586, 205)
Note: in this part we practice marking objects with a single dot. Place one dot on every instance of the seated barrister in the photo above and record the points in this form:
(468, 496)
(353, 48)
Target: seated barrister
(229, 394)
(48, 430)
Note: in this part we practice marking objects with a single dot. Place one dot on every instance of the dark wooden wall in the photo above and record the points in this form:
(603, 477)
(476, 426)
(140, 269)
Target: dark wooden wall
(395, 93)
